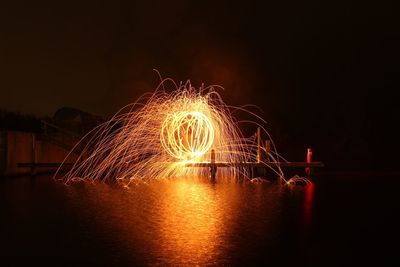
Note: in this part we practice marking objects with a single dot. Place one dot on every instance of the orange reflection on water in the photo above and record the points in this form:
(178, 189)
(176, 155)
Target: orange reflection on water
(191, 226)
(173, 222)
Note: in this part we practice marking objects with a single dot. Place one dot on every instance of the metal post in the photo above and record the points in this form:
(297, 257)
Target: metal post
(309, 160)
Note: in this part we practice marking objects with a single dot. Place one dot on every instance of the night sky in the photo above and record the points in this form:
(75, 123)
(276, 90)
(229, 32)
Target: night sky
(324, 73)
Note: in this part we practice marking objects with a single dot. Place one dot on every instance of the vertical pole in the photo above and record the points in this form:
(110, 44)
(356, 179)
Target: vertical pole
(309, 160)
(258, 145)
(213, 167)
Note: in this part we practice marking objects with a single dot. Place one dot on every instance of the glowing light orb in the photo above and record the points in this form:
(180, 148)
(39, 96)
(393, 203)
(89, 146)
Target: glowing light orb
(187, 135)
(152, 137)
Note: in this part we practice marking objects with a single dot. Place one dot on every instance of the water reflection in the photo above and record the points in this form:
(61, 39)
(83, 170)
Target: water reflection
(308, 204)
(190, 225)
(187, 223)
(182, 222)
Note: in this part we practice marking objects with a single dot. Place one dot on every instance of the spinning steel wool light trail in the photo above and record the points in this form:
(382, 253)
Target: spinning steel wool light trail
(155, 138)
(187, 135)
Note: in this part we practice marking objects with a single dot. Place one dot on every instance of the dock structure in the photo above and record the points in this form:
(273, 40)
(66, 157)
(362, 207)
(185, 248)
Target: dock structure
(264, 161)
(284, 164)
(261, 165)
(308, 165)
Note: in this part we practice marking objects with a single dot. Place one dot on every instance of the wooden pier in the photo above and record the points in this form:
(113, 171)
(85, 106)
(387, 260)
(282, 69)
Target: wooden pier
(309, 165)
(262, 162)
(283, 164)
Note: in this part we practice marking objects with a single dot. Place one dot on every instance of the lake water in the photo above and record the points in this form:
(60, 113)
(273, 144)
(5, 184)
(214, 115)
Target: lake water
(339, 220)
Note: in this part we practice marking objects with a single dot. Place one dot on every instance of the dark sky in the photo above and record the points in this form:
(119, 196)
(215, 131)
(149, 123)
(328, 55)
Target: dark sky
(324, 73)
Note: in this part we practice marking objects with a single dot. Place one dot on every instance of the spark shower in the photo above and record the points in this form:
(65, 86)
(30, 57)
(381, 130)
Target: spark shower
(156, 136)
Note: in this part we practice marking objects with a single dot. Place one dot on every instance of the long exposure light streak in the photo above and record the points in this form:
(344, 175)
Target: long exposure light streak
(187, 135)
(154, 138)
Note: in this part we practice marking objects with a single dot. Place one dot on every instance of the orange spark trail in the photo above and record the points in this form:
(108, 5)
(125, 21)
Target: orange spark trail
(154, 137)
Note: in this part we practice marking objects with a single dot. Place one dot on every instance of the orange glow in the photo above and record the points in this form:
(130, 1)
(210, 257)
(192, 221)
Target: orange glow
(192, 220)
(151, 138)
(187, 135)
